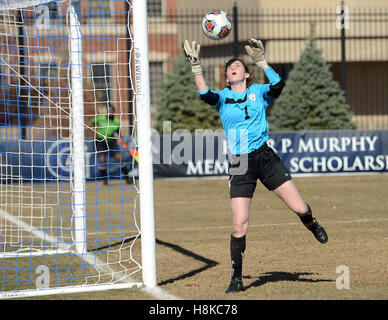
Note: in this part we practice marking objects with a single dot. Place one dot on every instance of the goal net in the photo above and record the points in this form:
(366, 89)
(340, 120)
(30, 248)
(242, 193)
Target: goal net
(68, 148)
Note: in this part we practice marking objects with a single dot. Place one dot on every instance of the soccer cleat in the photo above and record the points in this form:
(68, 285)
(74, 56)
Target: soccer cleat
(104, 176)
(128, 180)
(318, 231)
(125, 172)
(312, 224)
(235, 285)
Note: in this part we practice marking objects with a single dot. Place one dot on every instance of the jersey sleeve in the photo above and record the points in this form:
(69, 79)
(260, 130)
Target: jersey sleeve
(274, 88)
(210, 97)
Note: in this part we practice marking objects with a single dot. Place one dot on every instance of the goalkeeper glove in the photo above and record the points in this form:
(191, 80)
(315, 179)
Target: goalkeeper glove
(255, 49)
(192, 54)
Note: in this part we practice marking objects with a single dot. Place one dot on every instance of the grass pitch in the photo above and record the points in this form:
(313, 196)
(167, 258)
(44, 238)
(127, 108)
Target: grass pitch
(282, 260)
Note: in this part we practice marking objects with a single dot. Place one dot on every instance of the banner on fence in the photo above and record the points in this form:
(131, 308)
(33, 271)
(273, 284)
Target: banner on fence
(303, 153)
(186, 155)
(320, 152)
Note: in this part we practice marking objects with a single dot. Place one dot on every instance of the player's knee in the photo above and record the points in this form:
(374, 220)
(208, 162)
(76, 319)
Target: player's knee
(302, 209)
(239, 229)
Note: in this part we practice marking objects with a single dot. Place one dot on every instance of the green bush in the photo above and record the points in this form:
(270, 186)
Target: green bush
(311, 99)
(180, 103)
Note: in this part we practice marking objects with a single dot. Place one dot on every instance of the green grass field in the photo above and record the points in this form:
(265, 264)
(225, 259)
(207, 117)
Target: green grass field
(282, 260)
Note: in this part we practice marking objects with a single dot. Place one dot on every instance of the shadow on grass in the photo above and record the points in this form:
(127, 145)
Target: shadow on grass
(208, 263)
(276, 276)
(267, 277)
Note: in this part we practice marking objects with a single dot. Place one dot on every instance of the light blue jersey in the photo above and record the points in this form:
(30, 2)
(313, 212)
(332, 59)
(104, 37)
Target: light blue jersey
(243, 114)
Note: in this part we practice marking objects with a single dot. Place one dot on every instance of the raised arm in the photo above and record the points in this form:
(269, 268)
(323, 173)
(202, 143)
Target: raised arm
(255, 49)
(192, 55)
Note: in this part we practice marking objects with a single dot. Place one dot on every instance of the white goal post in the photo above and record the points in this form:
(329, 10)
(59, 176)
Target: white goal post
(143, 102)
(74, 112)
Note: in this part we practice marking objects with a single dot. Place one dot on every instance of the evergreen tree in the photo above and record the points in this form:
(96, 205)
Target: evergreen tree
(311, 99)
(180, 103)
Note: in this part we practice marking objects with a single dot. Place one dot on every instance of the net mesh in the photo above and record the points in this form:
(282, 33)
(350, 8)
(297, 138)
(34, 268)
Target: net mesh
(37, 229)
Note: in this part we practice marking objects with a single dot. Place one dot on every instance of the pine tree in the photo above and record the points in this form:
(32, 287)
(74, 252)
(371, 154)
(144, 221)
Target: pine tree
(311, 99)
(180, 103)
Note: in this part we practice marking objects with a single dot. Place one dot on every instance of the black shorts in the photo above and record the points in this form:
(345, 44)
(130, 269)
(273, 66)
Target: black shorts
(263, 164)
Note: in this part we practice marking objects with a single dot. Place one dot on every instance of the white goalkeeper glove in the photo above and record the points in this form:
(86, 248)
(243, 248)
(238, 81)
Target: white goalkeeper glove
(255, 49)
(192, 55)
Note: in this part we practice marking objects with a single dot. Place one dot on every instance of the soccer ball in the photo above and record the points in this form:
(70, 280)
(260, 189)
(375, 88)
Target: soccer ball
(216, 24)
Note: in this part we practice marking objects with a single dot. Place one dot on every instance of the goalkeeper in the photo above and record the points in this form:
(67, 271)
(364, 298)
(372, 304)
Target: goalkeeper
(107, 129)
(242, 108)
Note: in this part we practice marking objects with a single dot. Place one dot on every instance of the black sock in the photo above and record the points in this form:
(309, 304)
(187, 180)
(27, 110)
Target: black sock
(308, 217)
(103, 173)
(237, 248)
(124, 170)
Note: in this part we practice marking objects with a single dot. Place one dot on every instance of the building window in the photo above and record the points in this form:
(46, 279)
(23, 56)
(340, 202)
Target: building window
(209, 71)
(156, 72)
(98, 8)
(48, 73)
(101, 77)
(54, 8)
(1, 73)
(48, 77)
(154, 8)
